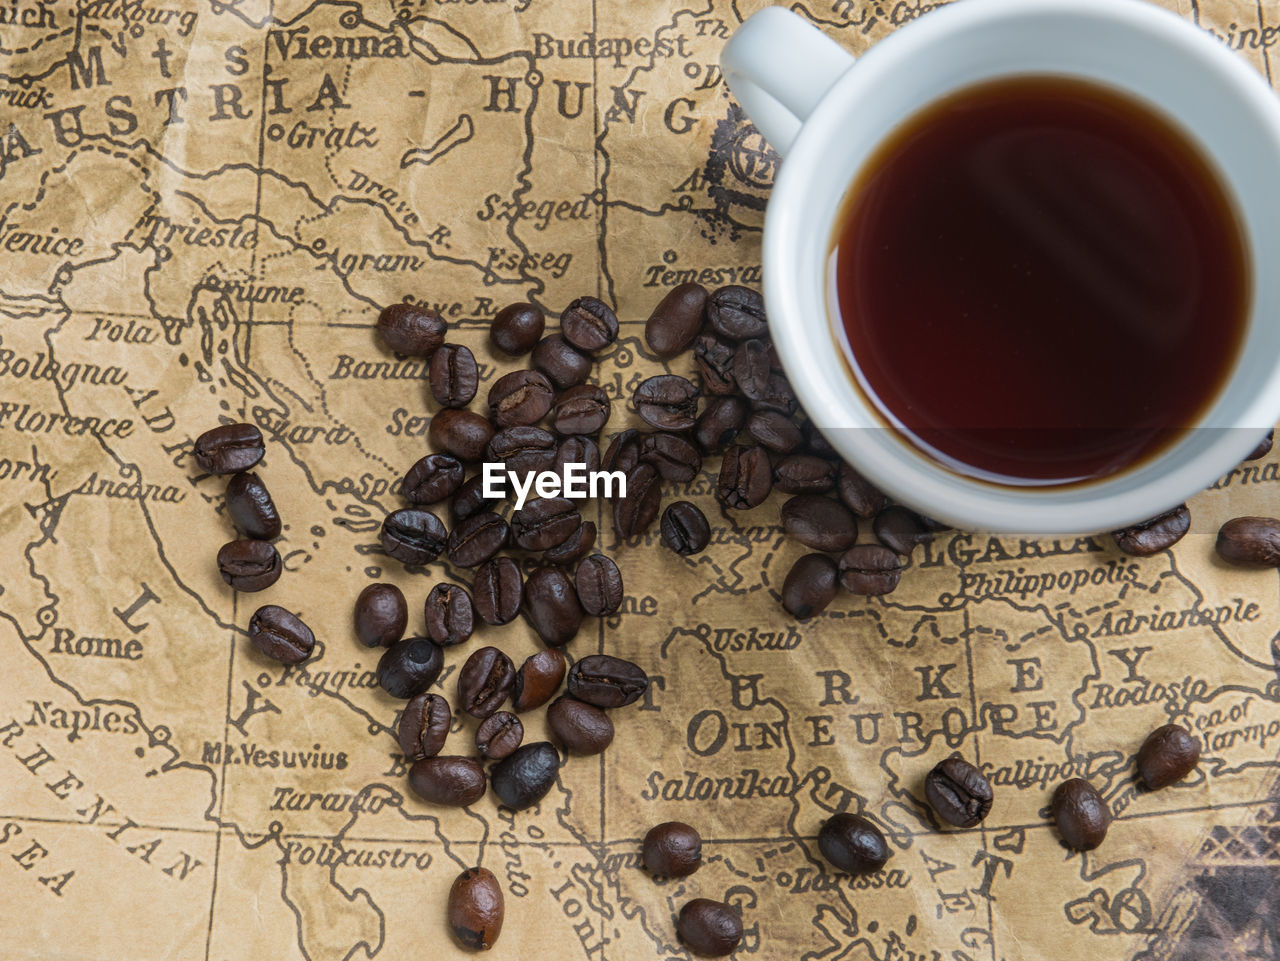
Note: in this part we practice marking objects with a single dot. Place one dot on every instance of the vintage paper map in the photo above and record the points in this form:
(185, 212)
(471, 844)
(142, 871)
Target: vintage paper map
(202, 207)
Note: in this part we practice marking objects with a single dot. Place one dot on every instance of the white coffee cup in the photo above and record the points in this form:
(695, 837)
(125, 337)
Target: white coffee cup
(826, 113)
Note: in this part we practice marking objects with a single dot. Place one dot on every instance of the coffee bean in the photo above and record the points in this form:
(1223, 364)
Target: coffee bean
(773, 431)
(901, 530)
(520, 399)
(709, 928)
(450, 616)
(870, 569)
(229, 449)
(958, 791)
(498, 590)
(714, 360)
(544, 522)
(424, 726)
(804, 474)
(810, 586)
(551, 604)
(737, 313)
(684, 528)
(633, 514)
(577, 450)
(1156, 534)
(1263, 447)
(623, 452)
(453, 375)
(409, 667)
(462, 433)
(859, 494)
(1081, 814)
(448, 780)
(516, 328)
(538, 679)
(746, 477)
(524, 779)
(431, 479)
(607, 681)
(672, 849)
(411, 329)
(589, 324)
(751, 368)
(524, 450)
(574, 547)
(1168, 755)
(470, 499)
(381, 615)
(676, 459)
(821, 523)
(1250, 541)
(580, 727)
(485, 682)
(476, 909)
(720, 422)
(675, 322)
(413, 536)
(778, 395)
(281, 635)
(251, 508)
(499, 735)
(560, 362)
(853, 844)
(477, 539)
(667, 402)
(249, 566)
(599, 585)
(816, 443)
(581, 410)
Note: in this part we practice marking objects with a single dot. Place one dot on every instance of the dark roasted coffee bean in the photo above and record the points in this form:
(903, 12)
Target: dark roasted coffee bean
(229, 449)
(778, 395)
(958, 791)
(709, 928)
(450, 616)
(599, 585)
(853, 844)
(461, 433)
(751, 368)
(485, 682)
(1081, 814)
(1168, 755)
(1263, 448)
(424, 726)
(409, 667)
(574, 547)
(251, 508)
(476, 909)
(589, 324)
(381, 615)
(524, 450)
(470, 499)
(449, 780)
(607, 681)
(810, 586)
(675, 322)
(737, 313)
(1250, 541)
(672, 849)
(746, 477)
(772, 430)
(870, 569)
(249, 566)
(816, 442)
(676, 458)
(623, 452)
(582, 728)
(1156, 534)
(499, 735)
(538, 679)
(520, 399)
(524, 779)
(411, 329)
(804, 474)
(667, 402)
(684, 528)
(562, 364)
(516, 328)
(581, 410)
(498, 590)
(901, 529)
(714, 360)
(859, 494)
(720, 422)
(545, 522)
(281, 635)
(577, 450)
(822, 523)
(477, 539)
(431, 479)
(413, 536)
(633, 514)
(453, 375)
(552, 606)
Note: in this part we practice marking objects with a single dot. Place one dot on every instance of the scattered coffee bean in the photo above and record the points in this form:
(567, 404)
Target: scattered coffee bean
(667, 402)
(1156, 534)
(870, 569)
(450, 616)
(409, 667)
(859, 494)
(714, 360)
(819, 522)
(516, 328)
(498, 590)
(752, 369)
(1263, 448)
(672, 849)
(958, 791)
(462, 433)
(576, 450)
(281, 635)
(720, 422)
(563, 365)
(249, 566)
(470, 499)
(675, 458)
(477, 539)
(675, 322)
(709, 928)
(778, 395)
(476, 909)
(633, 514)
(453, 375)
(413, 536)
(684, 528)
(551, 604)
(410, 329)
(1081, 814)
(623, 452)
(448, 780)
(524, 450)
(424, 726)
(816, 443)
(581, 410)
(853, 844)
(520, 399)
(901, 530)
(229, 449)
(499, 735)
(538, 679)
(251, 508)
(574, 547)
(804, 474)
(737, 313)
(545, 522)
(607, 681)
(524, 778)
(381, 615)
(582, 728)
(746, 477)
(1168, 755)
(599, 585)
(773, 431)
(1250, 541)
(810, 586)
(485, 682)
(431, 479)
(589, 324)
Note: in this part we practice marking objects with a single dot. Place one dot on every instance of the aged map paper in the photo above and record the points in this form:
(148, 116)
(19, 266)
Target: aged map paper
(203, 205)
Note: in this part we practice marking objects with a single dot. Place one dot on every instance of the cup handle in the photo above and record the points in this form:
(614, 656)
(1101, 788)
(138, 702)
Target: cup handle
(778, 66)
